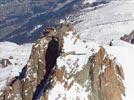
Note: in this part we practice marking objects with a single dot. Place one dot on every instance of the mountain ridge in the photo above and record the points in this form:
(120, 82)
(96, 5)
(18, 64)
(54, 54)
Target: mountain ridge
(85, 71)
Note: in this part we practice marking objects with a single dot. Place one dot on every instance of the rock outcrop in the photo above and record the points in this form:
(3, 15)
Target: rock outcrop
(128, 38)
(63, 67)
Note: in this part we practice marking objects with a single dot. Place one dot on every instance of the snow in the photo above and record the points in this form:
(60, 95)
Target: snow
(60, 93)
(62, 21)
(20, 54)
(76, 53)
(89, 1)
(35, 28)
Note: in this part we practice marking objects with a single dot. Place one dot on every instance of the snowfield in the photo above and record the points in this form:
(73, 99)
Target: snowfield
(20, 54)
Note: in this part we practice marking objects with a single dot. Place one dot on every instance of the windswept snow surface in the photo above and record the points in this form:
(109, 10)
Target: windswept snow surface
(20, 54)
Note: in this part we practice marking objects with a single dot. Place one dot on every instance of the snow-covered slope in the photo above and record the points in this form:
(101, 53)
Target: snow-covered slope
(106, 21)
(19, 54)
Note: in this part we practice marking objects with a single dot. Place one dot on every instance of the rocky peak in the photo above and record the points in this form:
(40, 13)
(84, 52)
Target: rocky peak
(106, 77)
(64, 67)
